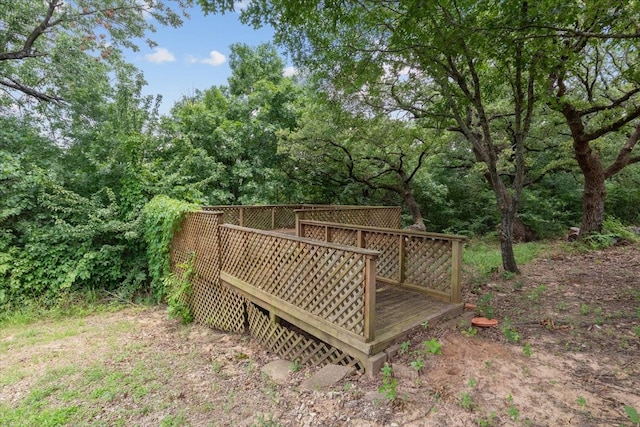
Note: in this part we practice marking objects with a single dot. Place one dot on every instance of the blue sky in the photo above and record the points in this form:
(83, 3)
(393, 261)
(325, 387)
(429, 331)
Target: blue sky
(193, 56)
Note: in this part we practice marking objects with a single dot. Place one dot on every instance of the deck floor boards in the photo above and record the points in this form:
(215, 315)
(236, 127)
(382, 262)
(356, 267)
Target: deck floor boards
(400, 310)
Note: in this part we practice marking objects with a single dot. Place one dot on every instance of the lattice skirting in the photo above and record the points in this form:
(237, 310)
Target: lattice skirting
(220, 307)
(292, 345)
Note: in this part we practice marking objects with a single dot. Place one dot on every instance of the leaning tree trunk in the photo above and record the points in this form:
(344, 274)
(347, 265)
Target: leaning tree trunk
(414, 209)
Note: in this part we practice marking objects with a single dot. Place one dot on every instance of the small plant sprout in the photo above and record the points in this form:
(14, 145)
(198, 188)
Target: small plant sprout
(581, 401)
(425, 325)
(509, 332)
(469, 332)
(472, 382)
(536, 293)
(527, 350)
(512, 411)
(433, 346)
(484, 305)
(389, 383)
(636, 330)
(584, 309)
(295, 366)
(404, 347)
(417, 364)
(466, 401)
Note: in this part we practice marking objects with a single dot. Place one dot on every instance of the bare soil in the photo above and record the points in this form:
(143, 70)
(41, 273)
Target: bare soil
(565, 352)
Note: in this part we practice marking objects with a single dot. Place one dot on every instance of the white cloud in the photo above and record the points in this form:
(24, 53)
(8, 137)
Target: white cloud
(215, 58)
(290, 71)
(160, 55)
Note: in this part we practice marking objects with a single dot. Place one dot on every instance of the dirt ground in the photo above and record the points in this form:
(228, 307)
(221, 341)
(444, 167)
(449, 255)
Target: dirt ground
(566, 352)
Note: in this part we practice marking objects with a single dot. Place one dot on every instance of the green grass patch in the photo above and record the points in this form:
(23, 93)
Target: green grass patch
(481, 258)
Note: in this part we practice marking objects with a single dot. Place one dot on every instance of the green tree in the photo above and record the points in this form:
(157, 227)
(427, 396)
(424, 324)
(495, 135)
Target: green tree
(53, 51)
(340, 148)
(429, 61)
(237, 126)
(595, 86)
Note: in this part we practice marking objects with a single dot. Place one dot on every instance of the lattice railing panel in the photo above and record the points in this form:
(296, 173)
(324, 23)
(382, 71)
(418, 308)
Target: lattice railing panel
(437, 271)
(388, 264)
(324, 281)
(211, 303)
(423, 260)
(291, 345)
(371, 216)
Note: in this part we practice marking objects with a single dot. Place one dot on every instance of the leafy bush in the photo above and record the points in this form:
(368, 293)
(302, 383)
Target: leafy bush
(54, 240)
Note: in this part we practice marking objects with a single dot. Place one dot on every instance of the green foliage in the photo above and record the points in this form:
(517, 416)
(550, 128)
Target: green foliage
(632, 413)
(509, 332)
(55, 241)
(162, 218)
(484, 305)
(389, 383)
(178, 288)
(433, 346)
(613, 232)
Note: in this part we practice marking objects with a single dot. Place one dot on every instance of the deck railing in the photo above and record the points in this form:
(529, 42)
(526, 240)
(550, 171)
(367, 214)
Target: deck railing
(262, 217)
(329, 286)
(371, 216)
(429, 263)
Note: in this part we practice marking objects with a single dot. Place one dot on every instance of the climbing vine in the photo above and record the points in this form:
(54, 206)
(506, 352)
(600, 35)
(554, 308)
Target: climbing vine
(162, 218)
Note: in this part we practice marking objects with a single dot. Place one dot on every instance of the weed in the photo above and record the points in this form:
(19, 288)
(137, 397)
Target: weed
(581, 401)
(584, 309)
(562, 306)
(510, 334)
(484, 305)
(433, 346)
(173, 421)
(527, 350)
(633, 415)
(472, 382)
(389, 383)
(425, 325)
(536, 293)
(295, 366)
(488, 422)
(404, 347)
(518, 285)
(417, 364)
(347, 387)
(508, 275)
(466, 401)
(469, 332)
(512, 411)
(636, 330)
(599, 317)
(217, 366)
(267, 422)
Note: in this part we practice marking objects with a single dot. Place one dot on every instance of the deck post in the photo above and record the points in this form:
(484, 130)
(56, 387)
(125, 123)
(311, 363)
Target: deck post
(360, 239)
(273, 218)
(370, 298)
(401, 258)
(327, 234)
(456, 270)
(241, 217)
(298, 225)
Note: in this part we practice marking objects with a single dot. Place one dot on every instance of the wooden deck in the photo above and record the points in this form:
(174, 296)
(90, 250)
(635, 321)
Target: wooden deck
(399, 311)
(358, 290)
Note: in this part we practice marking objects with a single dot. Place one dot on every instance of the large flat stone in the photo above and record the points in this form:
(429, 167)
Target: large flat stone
(278, 370)
(326, 377)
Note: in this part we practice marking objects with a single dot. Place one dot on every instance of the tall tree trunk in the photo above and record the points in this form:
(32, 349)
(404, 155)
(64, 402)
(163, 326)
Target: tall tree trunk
(593, 198)
(508, 209)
